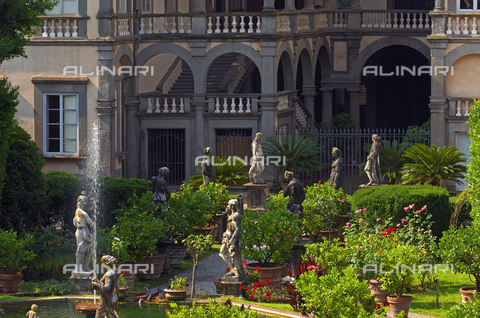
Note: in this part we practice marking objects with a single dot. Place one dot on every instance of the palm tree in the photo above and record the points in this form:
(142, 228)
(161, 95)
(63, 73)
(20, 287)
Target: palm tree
(227, 172)
(299, 155)
(433, 165)
(391, 159)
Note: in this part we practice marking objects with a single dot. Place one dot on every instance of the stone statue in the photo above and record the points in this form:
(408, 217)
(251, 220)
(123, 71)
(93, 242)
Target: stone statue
(258, 165)
(108, 289)
(372, 168)
(32, 313)
(232, 242)
(161, 194)
(83, 235)
(208, 170)
(2, 312)
(296, 194)
(336, 175)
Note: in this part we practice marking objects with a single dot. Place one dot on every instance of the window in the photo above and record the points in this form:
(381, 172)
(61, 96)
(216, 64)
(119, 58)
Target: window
(60, 124)
(65, 7)
(469, 4)
(146, 6)
(122, 6)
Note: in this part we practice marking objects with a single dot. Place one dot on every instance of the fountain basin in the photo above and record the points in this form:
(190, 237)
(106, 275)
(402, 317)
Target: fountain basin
(88, 308)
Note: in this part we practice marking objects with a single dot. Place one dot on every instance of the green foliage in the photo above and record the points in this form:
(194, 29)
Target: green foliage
(417, 134)
(218, 196)
(300, 154)
(23, 198)
(51, 287)
(470, 309)
(178, 283)
(15, 251)
(474, 165)
(391, 159)
(18, 22)
(389, 201)
(185, 210)
(138, 229)
(329, 254)
(62, 190)
(462, 209)
(340, 121)
(338, 294)
(321, 208)
(8, 103)
(227, 172)
(460, 248)
(269, 237)
(197, 245)
(433, 166)
(213, 309)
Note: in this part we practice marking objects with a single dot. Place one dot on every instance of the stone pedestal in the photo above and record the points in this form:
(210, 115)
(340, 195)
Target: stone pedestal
(164, 248)
(82, 282)
(231, 287)
(298, 251)
(257, 195)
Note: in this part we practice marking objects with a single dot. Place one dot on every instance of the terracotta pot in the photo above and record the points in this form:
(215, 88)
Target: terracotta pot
(177, 255)
(376, 289)
(175, 294)
(397, 304)
(155, 263)
(328, 234)
(123, 292)
(467, 294)
(273, 273)
(11, 282)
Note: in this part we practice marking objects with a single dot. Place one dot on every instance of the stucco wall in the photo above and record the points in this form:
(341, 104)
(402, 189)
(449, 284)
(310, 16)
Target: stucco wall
(464, 81)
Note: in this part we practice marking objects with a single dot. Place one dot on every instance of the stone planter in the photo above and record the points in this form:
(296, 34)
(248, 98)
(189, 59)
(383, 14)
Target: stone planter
(273, 273)
(467, 294)
(177, 255)
(123, 292)
(176, 294)
(11, 282)
(398, 304)
(155, 267)
(376, 289)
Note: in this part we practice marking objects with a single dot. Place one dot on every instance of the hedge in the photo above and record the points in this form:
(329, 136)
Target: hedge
(388, 202)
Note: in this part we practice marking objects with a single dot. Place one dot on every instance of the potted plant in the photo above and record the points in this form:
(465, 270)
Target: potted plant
(122, 286)
(177, 289)
(228, 171)
(268, 239)
(321, 209)
(459, 247)
(197, 245)
(136, 234)
(14, 253)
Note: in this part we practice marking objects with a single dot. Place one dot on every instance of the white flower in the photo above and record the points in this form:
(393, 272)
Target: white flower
(116, 239)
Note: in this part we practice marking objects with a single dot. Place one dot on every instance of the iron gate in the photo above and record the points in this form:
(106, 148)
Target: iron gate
(166, 148)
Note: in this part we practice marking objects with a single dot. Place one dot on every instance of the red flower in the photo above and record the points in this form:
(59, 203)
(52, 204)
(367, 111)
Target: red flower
(66, 236)
(63, 242)
(268, 297)
(251, 296)
(240, 287)
(123, 273)
(247, 289)
(187, 284)
(247, 273)
(228, 269)
(270, 284)
(266, 280)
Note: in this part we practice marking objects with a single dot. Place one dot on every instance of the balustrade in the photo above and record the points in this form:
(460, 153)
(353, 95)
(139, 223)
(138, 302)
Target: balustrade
(396, 20)
(60, 27)
(462, 25)
(163, 105)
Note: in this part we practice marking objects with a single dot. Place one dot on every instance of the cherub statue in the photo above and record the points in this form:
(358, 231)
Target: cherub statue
(32, 313)
(108, 289)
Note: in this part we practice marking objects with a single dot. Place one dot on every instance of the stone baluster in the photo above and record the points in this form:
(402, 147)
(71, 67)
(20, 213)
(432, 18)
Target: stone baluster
(150, 26)
(182, 26)
(402, 21)
(420, 22)
(60, 28)
(459, 108)
(242, 24)
(157, 25)
(389, 20)
(67, 29)
(395, 20)
(52, 29)
(149, 105)
(376, 20)
(457, 26)
(249, 106)
(189, 25)
(226, 25)
(142, 26)
(467, 108)
(259, 25)
(174, 25)
(427, 21)
(182, 106)
(233, 106)
(174, 105)
(240, 105)
(75, 28)
(217, 25)
(157, 105)
(364, 18)
(382, 22)
(217, 105)
(465, 25)
(449, 25)
(414, 21)
(165, 105)
(165, 25)
(45, 28)
(250, 24)
(225, 105)
(474, 25)
(408, 21)
(209, 25)
(234, 24)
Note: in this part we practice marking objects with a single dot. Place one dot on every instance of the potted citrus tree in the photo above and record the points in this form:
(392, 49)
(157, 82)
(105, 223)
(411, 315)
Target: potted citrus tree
(177, 289)
(268, 239)
(14, 253)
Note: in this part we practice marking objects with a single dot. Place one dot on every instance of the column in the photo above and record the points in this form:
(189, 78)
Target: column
(132, 135)
(438, 104)
(198, 140)
(268, 6)
(309, 102)
(106, 108)
(289, 6)
(199, 20)
(439, 5)
(355, 105)
(106, 24)
(268, 126)
(327, 102)
(308, 5)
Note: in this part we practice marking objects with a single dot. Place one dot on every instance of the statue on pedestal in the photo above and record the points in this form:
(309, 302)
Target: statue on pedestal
(83, 234)
(296, 194)
(372, 168)
(108, 289)
(336, 175)
(161, 194)
(258, 164)
(208, 169)
(231, 244)
(32, 313)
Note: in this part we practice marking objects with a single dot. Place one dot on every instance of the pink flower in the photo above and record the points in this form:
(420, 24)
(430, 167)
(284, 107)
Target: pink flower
(364, 209)
(429, 231)
(362, 228)
(378, 219)
(358, 211)
(347, 225)
(341, 201)
(421, 230)
(398, 225)
(406, 208)
(404, 220)
(411, 206)
(418, 211)
(360, 220)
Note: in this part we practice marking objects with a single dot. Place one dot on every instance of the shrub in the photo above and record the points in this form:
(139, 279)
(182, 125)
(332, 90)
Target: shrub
(474, 165)
(329, 254)
(50, 287)
(389, 202)
(213, 309)
(218, 196)
(23, 198)
(15, 251)
(469, 309)
(178, 283)
(462, 209)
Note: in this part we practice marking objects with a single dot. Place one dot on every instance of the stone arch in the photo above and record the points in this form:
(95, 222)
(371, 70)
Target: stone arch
(461, 80)
(305, 60)
(356, 72)
(459, 52)
(122, 52)
(285, 68)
